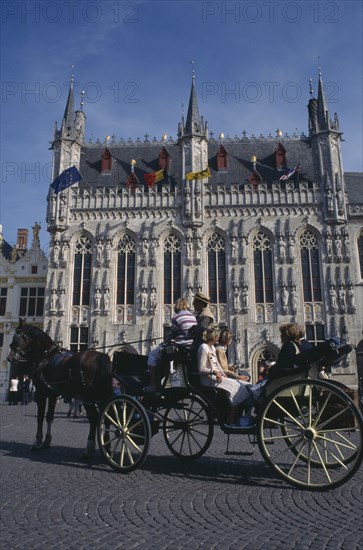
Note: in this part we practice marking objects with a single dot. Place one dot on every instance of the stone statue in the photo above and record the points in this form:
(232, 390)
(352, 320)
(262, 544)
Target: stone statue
(245, 301)
(284, 297)
(236, 299)
(56, 250)
(144, 295)
(189, 246)
(53, 300)
(330, 201)
(145, 251)
(340, 202)
(62, 300)
(282, 249)
(351, 299)
(106, 300)
(234, 248)
(187, 202)
(329, 247)
(97, 299)
(153, 299)
(294, 299)
(99, 251)
(342, 299)
(338, 246)
(65, 251)
(244, 249)
(108, 252)
(36, 228)
(291, 245)
(333, 298)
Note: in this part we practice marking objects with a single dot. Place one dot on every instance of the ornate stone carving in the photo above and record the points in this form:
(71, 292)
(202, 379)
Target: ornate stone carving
(333, 299)
(282, 249)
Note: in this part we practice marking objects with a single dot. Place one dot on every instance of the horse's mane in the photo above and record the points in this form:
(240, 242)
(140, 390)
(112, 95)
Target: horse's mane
(35, 332)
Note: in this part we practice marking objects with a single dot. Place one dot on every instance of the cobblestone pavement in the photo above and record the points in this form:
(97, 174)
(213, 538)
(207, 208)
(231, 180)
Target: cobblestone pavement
(51, 499)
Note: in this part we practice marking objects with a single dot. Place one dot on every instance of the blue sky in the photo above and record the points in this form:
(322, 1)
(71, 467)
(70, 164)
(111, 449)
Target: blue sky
(252, 59)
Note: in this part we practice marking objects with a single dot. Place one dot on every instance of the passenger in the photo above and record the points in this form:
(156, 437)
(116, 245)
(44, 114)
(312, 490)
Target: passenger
(225, 339)
(181, 324)
(290, 338)
(212, 374)
(204, 317)
(303, 344)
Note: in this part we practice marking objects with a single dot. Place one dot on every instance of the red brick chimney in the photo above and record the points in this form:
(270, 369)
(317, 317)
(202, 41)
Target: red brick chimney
(22, 240)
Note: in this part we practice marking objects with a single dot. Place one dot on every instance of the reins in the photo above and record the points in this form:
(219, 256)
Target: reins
(123, 344)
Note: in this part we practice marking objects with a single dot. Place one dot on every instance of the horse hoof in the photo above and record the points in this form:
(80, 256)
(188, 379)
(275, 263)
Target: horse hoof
(36, 447)
(47, 441)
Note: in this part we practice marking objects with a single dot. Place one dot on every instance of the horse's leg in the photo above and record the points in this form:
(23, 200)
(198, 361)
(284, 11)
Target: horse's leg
(41, 399)
(92, 415)
(52, 401)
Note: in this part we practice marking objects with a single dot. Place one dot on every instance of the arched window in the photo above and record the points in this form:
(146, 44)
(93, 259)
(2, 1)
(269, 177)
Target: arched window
(360, 253)
(262, 254)
(217, 269)
(82, 272)
(126, 263)
(172, 269)
(310, 267)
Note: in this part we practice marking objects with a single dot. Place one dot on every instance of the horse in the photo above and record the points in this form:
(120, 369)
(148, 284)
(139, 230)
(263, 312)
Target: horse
(56, 372)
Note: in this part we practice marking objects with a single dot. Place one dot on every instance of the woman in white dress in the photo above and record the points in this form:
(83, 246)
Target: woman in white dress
(212, 374)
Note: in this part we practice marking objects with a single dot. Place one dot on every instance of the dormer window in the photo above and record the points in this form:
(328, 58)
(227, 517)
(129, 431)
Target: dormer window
(280, 157)
(222, 159)
(106, 162)
(164, 159)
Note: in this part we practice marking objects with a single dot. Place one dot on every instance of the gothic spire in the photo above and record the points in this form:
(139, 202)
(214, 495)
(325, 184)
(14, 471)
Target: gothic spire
(323, 112)
(68, 118)
(193, 123)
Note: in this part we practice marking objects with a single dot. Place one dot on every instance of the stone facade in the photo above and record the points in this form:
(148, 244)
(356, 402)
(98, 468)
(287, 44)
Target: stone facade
(272, 235)
(23, 275)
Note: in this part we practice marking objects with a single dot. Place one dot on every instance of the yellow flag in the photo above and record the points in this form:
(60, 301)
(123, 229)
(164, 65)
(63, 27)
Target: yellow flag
(159, 175)
(199, 175)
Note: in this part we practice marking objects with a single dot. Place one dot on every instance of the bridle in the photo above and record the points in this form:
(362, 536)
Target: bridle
(20, 355)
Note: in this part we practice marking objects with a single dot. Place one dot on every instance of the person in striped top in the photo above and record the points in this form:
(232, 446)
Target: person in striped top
(181, 324)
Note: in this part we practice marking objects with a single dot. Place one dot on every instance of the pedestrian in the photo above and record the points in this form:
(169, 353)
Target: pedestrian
(13, 391)
(74, 406)
(26, 387)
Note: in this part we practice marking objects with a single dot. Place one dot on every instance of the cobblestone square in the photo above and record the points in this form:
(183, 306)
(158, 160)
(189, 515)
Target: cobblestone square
(52, 499)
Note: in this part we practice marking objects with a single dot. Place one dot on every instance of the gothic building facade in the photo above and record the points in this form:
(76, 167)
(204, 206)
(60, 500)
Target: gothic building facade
(273, 235)
(23, 276)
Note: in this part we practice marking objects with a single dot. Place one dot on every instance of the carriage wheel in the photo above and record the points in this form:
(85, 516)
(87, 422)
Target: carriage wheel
(310, 433)
(124, 433)
(188, 427)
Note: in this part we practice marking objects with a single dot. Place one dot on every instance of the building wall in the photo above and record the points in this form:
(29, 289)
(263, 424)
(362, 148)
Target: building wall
(20, 271)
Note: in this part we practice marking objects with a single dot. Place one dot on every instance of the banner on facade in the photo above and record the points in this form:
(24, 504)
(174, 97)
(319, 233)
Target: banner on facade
(67, 178)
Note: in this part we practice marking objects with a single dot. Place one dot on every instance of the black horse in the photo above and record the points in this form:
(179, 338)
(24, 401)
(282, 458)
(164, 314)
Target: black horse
(87, 374)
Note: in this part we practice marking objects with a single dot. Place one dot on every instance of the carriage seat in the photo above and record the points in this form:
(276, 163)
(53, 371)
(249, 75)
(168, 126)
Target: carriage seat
(131, 371)
(328, 353)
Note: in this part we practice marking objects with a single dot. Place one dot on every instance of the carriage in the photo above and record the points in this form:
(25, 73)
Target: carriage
(308, 430)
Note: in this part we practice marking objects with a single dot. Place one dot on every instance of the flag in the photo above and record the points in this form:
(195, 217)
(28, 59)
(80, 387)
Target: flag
(199, 175)
(66, 179)
(291, 172)
(154, 177)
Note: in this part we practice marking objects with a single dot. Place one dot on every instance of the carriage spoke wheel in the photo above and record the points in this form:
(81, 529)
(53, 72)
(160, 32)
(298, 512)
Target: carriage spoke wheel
(188, 427)
(124, 433)
(310, 433)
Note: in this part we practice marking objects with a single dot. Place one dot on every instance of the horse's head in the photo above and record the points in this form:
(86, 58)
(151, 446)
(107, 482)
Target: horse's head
(28, 345)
